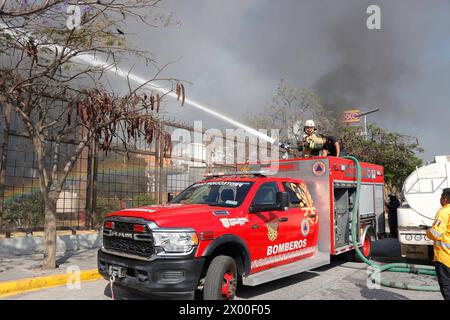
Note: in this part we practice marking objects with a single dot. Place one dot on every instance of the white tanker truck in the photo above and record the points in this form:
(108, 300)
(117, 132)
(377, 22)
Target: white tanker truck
(421, 191)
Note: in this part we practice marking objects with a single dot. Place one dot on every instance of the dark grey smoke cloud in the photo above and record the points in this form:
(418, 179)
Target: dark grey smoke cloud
(366, 65)
(234, 53)
(374, 68)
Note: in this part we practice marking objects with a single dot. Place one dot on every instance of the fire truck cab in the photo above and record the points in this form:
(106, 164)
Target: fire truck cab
(263, 222)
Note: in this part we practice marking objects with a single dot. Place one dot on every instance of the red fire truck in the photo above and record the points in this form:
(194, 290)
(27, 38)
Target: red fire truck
(261, 223)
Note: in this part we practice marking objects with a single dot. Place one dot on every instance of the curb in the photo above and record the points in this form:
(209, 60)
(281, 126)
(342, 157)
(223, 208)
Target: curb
(33, 284)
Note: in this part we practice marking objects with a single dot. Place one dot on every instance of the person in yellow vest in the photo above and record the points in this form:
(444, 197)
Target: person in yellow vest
(440, 234)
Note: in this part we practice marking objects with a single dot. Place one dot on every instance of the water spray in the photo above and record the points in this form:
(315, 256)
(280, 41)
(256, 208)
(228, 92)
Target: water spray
(95, 61)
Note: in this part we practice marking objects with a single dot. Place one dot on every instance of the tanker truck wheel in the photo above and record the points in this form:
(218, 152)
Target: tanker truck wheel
(221, 279)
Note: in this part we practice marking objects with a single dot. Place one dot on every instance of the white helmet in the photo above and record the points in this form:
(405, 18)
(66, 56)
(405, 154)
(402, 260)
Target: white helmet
(310, 124)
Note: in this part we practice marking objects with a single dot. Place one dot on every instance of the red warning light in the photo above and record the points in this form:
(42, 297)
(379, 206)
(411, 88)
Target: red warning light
(140, 228)
(108, 225)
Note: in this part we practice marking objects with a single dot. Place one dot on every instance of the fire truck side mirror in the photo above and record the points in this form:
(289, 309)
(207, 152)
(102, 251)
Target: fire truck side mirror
(283, 201)
(169, 196)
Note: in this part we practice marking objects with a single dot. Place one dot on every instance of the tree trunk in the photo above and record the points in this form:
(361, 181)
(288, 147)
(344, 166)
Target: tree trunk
(50, 198)
(50, 232)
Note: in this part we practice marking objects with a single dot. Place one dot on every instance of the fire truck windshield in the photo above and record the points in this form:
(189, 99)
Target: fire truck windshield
(215, 193)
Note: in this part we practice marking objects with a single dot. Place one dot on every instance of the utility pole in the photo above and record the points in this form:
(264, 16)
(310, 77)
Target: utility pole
(365, 119)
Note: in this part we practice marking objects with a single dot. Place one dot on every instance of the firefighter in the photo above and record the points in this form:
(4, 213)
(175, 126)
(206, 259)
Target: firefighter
(311, 143)
(440, 234)
(331, 146)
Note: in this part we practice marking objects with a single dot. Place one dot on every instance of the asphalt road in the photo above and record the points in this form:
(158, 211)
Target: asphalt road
(340, 280)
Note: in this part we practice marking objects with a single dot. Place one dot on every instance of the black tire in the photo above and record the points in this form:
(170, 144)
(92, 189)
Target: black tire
(221, 274)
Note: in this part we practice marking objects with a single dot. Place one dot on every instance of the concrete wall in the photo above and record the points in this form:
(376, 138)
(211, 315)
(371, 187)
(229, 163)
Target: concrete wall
(33, 245)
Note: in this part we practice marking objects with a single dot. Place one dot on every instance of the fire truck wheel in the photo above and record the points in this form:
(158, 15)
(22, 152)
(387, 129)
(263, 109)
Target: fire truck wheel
(221, 279)
(366, 249)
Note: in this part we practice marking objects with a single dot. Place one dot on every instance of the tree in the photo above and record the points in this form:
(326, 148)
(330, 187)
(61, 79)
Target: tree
(290, 106)
(57, 97)
(394, 151)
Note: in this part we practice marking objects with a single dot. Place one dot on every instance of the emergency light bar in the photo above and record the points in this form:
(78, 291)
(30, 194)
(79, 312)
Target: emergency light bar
(231, 174)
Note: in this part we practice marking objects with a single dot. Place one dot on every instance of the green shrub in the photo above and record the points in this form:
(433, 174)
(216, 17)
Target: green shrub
(26, 211)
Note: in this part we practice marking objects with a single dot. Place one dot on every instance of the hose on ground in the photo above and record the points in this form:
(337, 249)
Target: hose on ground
(375, 275)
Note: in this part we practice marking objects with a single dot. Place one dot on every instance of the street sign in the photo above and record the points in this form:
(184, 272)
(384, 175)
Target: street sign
(351, 116)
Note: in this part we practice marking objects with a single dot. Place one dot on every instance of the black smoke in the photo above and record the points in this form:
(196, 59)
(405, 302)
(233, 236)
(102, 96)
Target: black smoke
(368, 64)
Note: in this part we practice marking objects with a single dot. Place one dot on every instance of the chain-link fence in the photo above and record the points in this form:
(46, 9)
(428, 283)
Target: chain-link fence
(138, 175)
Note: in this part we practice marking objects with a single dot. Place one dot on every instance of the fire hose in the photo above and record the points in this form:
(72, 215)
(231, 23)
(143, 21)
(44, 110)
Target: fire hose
(375, 275)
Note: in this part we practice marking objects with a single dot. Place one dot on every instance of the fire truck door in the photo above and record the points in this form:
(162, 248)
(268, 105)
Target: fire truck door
(267, 228)
(302, 215)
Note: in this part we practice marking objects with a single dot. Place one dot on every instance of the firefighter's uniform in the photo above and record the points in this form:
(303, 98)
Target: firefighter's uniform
(311, 145)
(440, 234)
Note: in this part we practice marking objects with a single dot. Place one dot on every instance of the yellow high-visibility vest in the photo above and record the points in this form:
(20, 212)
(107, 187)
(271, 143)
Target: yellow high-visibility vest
(440, 234)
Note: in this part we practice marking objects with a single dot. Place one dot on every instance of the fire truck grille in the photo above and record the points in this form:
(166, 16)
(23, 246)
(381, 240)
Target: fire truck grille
(123, 226)
(143, 249)
(116, 243)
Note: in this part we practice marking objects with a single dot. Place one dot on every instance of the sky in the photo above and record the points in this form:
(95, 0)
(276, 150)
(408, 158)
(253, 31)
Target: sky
(233, 53)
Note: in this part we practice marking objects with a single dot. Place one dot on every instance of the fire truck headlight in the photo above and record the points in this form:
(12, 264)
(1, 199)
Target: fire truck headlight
(175, 242)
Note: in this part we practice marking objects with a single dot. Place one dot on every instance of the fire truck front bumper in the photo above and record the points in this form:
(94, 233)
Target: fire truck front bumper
(176, 278)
